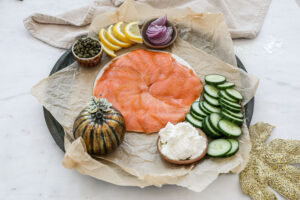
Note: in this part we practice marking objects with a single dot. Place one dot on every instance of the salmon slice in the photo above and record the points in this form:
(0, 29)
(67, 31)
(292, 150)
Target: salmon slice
(149, 88)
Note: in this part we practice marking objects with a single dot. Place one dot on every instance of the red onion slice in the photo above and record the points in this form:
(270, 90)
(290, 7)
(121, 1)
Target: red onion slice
(160, 21)
(163, 39)
(155, 31)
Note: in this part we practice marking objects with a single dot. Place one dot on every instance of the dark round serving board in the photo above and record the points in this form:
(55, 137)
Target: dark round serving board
(56, 129)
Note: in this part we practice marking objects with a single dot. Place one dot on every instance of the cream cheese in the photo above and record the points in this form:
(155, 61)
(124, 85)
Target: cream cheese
(181, 141)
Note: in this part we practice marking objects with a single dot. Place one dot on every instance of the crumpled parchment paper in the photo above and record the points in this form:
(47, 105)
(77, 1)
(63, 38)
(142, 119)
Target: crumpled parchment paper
(136, 162)
(205, 31)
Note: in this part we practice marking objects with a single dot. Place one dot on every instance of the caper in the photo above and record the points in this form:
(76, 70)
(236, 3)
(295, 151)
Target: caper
(87, 48)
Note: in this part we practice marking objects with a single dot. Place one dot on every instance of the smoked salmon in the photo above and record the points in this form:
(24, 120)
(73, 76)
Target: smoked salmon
(149, 88)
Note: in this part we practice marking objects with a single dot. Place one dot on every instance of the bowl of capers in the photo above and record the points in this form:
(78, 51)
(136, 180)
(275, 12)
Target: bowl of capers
(87, 51)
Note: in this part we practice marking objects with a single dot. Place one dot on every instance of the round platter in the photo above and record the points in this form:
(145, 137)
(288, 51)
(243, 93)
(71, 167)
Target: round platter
(56, 129)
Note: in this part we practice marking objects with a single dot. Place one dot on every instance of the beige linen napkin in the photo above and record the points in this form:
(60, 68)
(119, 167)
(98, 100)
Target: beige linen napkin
(244, 18)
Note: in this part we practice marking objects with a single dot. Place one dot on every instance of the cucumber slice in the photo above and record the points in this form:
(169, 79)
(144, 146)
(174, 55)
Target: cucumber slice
(205, 128)
(225, 85)
(211, 108)
(238, 121)
(215, 79)
(229, 128)
(196, 116)
(193, 121)
(211, 101)
(229, 103)
(234, 147)
(196, 110)
(232, 109)
(236, 115)
(234, 94)
(218, 147)
(223, 94)
(211, 91)
(214, 119)
(203, 109)
(209, 130)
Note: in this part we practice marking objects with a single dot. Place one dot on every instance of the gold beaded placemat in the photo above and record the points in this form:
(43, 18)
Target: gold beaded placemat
(270, 164)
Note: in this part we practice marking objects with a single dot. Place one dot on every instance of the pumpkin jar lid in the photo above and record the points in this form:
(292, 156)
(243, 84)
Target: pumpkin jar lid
(101, 126)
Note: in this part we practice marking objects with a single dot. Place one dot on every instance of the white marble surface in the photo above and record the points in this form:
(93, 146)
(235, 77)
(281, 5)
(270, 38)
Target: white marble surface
(30, 160)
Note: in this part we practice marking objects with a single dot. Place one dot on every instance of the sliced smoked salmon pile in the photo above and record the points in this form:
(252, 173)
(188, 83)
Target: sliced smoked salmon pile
(149, 88)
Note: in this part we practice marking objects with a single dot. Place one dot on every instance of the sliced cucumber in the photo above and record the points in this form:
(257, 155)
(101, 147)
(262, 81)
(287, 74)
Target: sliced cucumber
(211, 101)
(203, 109)
(215, 79)
(214, 119)
(223, 94)
(229, 103)
(205, 128)
(218, 147)
(225, 85)
(211, 108)
(234, 94)
(193, 121)
(208, 129)
(234, 147)
(236, 115)
(196, 110)
(232, 109)
(238, 121)
(196, 116)
(229, 128)
(211, 91)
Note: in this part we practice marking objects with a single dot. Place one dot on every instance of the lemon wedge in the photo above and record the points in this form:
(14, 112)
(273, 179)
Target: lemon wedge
(106, 42)
(111, 37)
(118, 31)
(108, 50)
(132, 32)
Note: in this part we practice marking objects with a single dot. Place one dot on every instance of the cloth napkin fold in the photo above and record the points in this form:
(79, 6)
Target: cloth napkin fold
(244, 18)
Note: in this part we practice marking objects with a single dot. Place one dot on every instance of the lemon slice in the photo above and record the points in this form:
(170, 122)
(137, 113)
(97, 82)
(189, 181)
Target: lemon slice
(118, 31)
(108, 50)
(132, 32)
(110, 36)
(106, 42)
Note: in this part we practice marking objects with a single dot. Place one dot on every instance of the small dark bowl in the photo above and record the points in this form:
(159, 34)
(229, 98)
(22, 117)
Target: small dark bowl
(88, 62)
(184, 162)
(149, 44)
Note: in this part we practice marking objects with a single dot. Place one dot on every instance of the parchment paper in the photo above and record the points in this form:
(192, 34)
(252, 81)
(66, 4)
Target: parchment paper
(136, 162)
(205, 31)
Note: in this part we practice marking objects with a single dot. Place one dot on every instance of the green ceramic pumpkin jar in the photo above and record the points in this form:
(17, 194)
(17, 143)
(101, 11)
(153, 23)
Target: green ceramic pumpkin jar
(101, 126)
